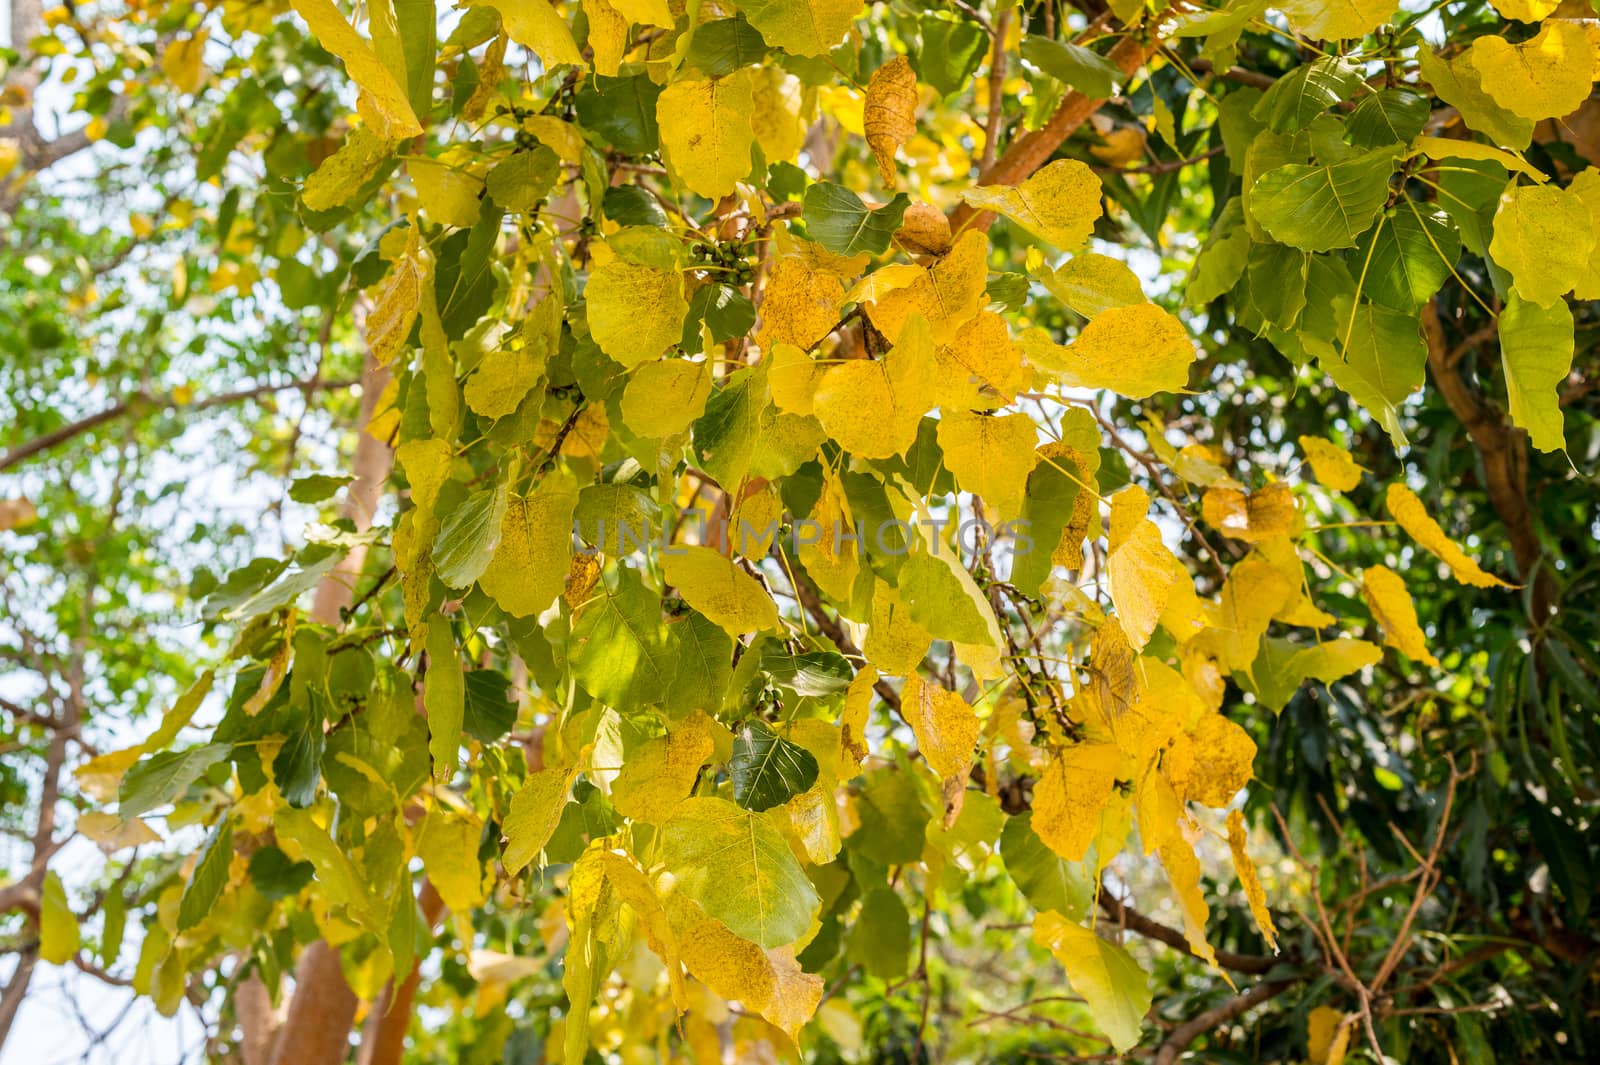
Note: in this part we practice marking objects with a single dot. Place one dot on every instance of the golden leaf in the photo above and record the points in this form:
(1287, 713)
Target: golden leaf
(1248, 879)
(1547, 76)
(990, 457)
(707, 131)
(1269, 512)
(662, 772)
(664, 398)
(895, 643)
(529, 566)
(1332, 464)
(719, 589)
(387, 97)
(538, 27)
(889, 114)
(1072, 794)
(1134, 351)
(946, 726)
(1392, 608)
(799, 305)
(1058, 203)
(635, 312)
(946, 295)
(1413, 517)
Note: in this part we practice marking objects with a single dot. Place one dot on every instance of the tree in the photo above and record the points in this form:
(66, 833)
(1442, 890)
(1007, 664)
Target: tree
(893, 507)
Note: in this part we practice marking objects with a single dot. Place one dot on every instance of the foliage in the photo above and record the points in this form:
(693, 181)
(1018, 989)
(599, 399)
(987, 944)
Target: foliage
(859, 574)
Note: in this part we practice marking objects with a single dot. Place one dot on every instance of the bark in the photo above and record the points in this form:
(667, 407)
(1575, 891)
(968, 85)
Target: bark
(1503, 451)
(252, 1005)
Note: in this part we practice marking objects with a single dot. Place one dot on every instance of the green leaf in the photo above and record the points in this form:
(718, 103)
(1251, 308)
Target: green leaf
(1393, 116)
(1306, 92)
(468, 535)
(630, 205)
(951, 52)
(418, 24)
(1074, 65)
(297, 767)
(723, 45)
(1536, 346)
(161, 778)
(489, 710)
(622, 111)
(726, 311)
(620, 652)
(1222, 261)
(209, 878)
(1319, 208)
(522, 182)
(838, 220)
(1458, 83)
(767, 770)
(444, 698)
(812, 674)
(738, 867)
(1381, 365)
(943, 599)
(1048, 881)
(315, 487)
(276, 875)
(1115, 988)
(1278, 283)
(1407, 256)
(1047, 507)
(880, 939)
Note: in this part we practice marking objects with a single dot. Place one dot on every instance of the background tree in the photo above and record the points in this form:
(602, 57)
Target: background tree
(1247, 317)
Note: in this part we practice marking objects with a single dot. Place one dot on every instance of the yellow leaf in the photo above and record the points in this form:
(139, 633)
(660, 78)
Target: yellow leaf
(990, 457)
(799, 305)
(924, 230)
(662, 772)
(889, 113)
(539, 27)
(1451, 148)
(1224, 757)
(608, 35)
(1269, 512)
(831, 560)
(1072, 794)
(1392, 608)
(895, 643)
(1586, 186)
(1331, 463)
(802, 27)
(395, 310)
(778, 98)
(1090, 283)
(770, 982)
(447, 843)
(635, 312)
(341, 175)
(101, 776)
(1140, 572)
(1409, 511)
(707, 132)
(448, 195)
(1548, 76)
(1111, 983)
(792, 378)
(945, 295)
(1328, 1034)
(853, 721)
(1523, 11)
(1249, 880)
(387, 96)
(980, 368)
(945, 725)
(1543, 235)
(113, 834)
(58, 927)
(560, 137)
(1134, 351)
(872, 407)
(1183, 872)
(647, 12)
(529, 566)
(535, 811)
(1254, 593)
(1059, 203)
(183, 62)
(720, 590)
(664, 398)
(502, 380)
(1337, 19)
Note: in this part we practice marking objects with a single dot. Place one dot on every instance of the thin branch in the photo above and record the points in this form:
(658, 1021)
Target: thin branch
(1186, 1033)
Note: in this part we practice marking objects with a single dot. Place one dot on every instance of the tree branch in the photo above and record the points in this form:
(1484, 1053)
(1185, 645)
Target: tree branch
(1179, 1039)
(1134, 921)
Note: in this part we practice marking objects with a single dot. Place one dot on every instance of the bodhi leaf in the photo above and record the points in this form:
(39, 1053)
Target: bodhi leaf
(738, 867)
(664, 398)
(889, 113)
(1414, 518)
(1246, 869)
(635, 312)
(802, 27)
(1536, 345)
(620, 649)
(58, 926)
(1090, 283)
(387, 97)
(1457, 82)
(720, 590)
(707, 132)
(1547, 76)
(945, 725)
(838, 220)
(1059, 203)
(1543, 235)
(1337, 18)
(539, 27)
(990, 457)
(1113, 985)
(1319, 208)
(1383, 363)
(1134, 351)
(766, 769)
(1392, 608)
(1407, 256)
(1331, 463)
(530, 563)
